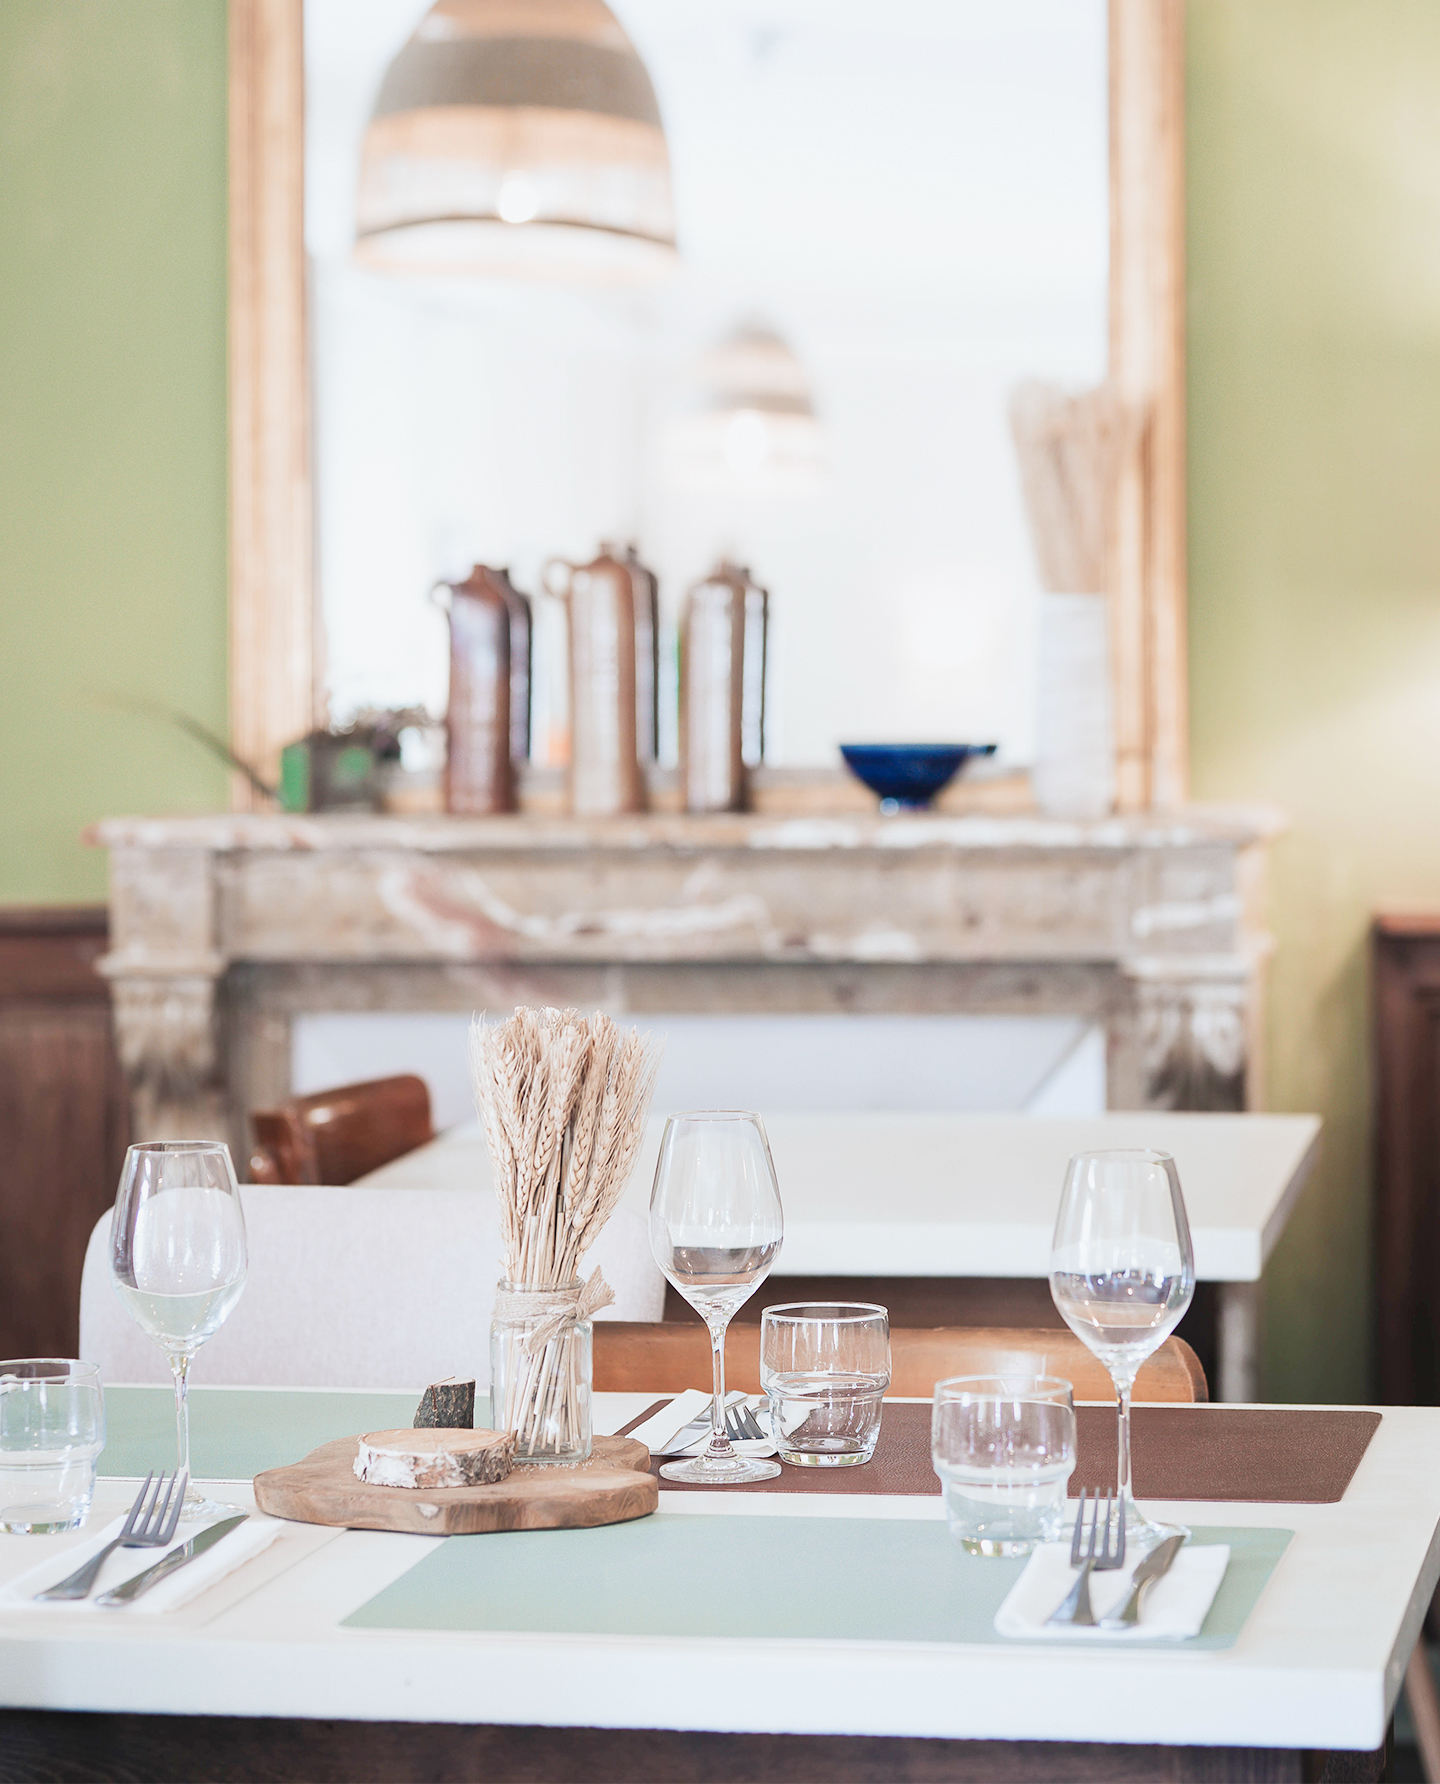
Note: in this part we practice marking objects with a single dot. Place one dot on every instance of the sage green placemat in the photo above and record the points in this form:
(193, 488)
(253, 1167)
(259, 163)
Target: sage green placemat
(235, 1432)
(843, 1579)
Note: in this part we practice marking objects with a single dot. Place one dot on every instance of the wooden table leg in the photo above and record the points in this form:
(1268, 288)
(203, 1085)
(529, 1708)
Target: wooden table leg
(1238, 1341)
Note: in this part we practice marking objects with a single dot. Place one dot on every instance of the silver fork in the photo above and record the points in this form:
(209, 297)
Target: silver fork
(741, 1424)
(149, 1526)
(1091, 1555)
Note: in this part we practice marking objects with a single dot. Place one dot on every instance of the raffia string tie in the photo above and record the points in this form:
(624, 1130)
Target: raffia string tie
(557, 1309)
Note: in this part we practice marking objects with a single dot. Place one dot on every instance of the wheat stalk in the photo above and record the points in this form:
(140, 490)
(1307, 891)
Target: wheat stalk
(562, 1100)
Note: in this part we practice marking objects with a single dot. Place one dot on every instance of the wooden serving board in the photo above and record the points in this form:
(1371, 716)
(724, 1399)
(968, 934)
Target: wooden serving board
(610, 1488)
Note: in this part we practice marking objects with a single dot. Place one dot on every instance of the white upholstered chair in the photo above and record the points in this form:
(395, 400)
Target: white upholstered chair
(356, 1288)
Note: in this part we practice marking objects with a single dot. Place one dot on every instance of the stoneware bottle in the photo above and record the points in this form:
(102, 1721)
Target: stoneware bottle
(488, 619)
(722, 689)
(605, 775)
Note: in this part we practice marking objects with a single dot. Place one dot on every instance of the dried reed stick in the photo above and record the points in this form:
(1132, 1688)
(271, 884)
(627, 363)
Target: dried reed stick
(562, 1099)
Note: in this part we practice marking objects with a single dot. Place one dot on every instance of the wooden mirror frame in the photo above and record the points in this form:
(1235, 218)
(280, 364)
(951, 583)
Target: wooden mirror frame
(276, 655)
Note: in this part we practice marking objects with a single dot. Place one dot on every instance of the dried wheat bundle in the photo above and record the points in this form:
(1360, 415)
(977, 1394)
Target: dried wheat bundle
(1071, 445)
(563, 1099)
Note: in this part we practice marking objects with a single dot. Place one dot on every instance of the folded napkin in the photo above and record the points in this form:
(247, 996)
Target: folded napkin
(241, 1545)
(661, 1432)
(1174, 1607)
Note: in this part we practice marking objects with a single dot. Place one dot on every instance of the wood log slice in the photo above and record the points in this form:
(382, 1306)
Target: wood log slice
(448, 1405)
(434, 1458)
(611, 1488)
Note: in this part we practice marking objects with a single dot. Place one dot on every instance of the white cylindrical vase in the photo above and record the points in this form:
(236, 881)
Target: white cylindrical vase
(1074, 772)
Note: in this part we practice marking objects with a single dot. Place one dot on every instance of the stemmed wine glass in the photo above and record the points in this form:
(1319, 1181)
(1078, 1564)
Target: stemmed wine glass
(715, 1229)
(178, 1259)
(1122, 1272)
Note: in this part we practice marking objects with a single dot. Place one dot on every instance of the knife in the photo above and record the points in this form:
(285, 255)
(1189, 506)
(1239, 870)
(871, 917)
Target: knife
(1157, 1562)
(177, 1558)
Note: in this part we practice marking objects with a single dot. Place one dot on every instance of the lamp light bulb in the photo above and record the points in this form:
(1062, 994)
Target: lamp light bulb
(518, 201)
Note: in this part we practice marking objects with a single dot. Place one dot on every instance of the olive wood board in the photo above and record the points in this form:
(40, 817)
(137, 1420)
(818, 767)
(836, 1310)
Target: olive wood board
(611, 1488)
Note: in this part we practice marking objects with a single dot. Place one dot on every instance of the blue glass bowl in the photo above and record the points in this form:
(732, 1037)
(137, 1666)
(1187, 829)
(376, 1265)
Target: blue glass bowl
(907, 776)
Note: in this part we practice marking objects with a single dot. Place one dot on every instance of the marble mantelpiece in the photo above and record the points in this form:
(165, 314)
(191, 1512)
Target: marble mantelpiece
(225, 928)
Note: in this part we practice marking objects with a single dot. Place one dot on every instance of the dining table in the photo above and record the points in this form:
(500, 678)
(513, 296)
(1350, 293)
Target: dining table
(822, 1630)
(891, 1196)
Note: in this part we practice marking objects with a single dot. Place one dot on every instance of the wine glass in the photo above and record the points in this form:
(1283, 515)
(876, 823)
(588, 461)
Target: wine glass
(715, 1229)
(1122, 1272)
(177, 1256)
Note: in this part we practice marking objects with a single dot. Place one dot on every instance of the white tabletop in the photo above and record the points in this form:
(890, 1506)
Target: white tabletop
(1318, 1664)
(971, 1195)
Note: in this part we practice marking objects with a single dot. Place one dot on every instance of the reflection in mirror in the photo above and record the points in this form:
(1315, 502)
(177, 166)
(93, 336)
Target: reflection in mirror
(886, 219)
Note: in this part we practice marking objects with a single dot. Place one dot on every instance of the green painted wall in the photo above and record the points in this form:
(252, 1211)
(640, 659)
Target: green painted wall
(1314, 340)
(112, 421)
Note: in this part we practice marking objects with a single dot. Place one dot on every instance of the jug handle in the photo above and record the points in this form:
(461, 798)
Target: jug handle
(443, 602)
(558, 588)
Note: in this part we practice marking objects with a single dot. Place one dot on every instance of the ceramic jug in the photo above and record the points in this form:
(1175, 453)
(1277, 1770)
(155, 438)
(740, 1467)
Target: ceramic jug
(722, 689)
(488, 719)
(605, 775)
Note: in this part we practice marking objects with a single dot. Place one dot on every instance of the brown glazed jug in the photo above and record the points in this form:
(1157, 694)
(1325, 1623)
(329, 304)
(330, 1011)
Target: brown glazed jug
(722, 689)
(488, 719)
(605, 775)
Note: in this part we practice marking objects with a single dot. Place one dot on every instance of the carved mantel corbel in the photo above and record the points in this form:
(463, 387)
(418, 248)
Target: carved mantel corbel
(1197, 1029)
(164, 968)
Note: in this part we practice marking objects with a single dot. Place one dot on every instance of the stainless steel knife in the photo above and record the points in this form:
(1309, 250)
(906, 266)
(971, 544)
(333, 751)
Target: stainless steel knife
(1158, 1561)
(168, 1564)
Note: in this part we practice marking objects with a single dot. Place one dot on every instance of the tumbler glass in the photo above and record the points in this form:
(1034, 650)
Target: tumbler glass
(825, 1366)
(1004, 1447)
(52, 1430)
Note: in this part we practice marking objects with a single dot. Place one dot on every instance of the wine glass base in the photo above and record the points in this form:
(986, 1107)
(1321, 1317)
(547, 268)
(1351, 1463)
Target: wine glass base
(1142, 1533)
(703, 1472)
(198, 1509)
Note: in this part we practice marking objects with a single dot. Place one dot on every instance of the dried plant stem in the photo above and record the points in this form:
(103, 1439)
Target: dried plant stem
(562, 1100)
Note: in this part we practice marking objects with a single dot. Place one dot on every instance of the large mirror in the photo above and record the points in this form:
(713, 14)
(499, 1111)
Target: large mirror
(906, 211)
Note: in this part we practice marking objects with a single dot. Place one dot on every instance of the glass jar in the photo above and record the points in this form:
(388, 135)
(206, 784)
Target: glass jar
(540, 1372)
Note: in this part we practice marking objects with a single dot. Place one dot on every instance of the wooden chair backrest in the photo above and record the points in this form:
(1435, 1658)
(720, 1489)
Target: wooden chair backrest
(669, 1356)
(335, 1136)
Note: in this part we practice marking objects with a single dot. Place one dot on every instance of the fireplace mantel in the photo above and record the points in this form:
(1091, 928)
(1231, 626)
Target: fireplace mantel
(224, 928)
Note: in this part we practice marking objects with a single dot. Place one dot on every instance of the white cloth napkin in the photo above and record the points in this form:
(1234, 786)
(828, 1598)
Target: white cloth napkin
(1174, 1608)
(242, 1544)
(661, 1429)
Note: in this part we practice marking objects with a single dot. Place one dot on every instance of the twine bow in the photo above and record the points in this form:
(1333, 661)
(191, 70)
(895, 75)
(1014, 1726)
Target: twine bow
(557, 1309)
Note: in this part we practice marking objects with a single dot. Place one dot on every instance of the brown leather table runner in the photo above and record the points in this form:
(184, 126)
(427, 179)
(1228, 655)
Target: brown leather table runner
(1262, 1454)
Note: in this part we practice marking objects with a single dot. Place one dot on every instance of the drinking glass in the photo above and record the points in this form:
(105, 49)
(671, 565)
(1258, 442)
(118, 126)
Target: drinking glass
(715, 1229)
(825, 1367)
(1004, 1447)
(178, 1260)
(1122, 1272)
(52, 1430)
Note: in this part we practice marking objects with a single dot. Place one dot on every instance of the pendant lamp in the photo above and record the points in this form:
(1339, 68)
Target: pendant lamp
(754, 426)
(518, 137)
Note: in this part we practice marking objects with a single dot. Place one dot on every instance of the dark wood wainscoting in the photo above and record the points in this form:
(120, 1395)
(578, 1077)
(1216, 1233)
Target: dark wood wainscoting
(1407, 1143)
(63, 1120)
(48, 1747)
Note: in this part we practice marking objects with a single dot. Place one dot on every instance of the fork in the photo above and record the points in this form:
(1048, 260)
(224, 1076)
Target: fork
(741, 1424)
(1091, 1555)
(149, 1526)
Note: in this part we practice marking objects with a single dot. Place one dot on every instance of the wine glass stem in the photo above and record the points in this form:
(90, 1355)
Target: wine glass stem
(180, 1367)
(1123, 1388)
(719, 1443)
